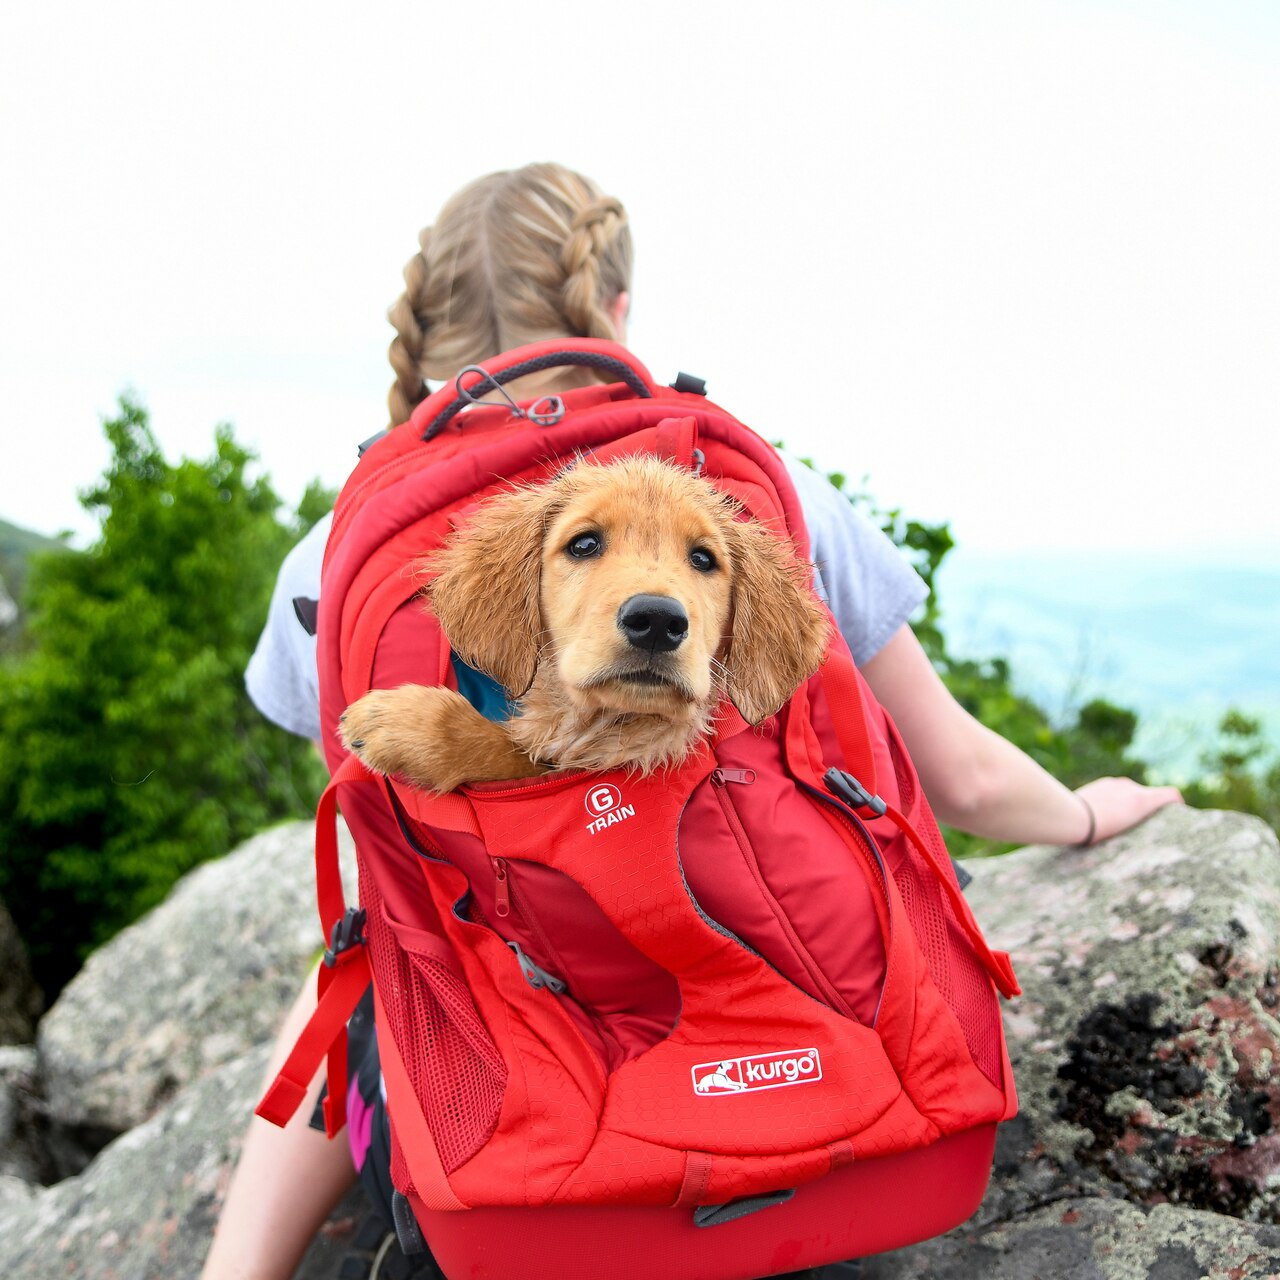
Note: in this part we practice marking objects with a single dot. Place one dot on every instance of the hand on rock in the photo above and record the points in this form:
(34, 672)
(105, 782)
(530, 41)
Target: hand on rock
(1121, 803)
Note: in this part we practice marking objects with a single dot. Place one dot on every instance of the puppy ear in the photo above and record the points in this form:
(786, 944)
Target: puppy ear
(780, 632)
(485, 592)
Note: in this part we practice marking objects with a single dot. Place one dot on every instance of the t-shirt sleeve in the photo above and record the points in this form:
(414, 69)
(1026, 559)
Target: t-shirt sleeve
(866, 581)
(281, 678)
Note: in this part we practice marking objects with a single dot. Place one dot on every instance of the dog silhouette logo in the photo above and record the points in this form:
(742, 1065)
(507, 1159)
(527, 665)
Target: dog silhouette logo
(757, 1071)
(719, 1080)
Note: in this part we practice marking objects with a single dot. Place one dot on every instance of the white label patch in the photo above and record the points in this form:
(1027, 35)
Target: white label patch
(604, 804)
(759, 1071)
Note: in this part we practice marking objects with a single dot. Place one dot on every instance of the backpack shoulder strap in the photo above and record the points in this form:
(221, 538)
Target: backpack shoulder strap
(340, 982)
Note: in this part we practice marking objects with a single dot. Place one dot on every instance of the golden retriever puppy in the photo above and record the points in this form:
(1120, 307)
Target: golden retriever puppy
(619, 604)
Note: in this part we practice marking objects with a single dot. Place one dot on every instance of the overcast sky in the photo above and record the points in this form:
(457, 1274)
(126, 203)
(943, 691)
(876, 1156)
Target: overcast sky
(1020, 262)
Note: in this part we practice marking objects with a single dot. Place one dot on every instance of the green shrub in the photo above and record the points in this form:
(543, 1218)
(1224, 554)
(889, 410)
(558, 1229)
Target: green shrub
(129, 751)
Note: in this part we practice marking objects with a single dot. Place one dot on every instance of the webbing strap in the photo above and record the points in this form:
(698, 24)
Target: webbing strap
(329, 896)
(677, 439)
(996, 963)
(840, 682)
(697, 1178)
(338, 991)
(340, 981)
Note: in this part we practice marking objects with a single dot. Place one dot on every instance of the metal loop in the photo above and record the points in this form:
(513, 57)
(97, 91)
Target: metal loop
(549, 416)
(468, 393)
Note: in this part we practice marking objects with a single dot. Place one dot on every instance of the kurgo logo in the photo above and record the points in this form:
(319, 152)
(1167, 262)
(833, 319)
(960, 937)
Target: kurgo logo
(604, 804)
(760, 1071)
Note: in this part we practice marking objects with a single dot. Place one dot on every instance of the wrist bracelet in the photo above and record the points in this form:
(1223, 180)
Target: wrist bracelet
(1093, 823)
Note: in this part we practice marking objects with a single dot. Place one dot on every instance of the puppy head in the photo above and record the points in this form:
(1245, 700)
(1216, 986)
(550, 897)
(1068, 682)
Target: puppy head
(636, 588)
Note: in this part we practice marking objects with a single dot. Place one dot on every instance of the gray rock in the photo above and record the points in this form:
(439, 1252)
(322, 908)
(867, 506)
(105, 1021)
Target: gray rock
(147, 1205)
(20, 998)
(196, 983)
(145, 1209)
(1145, 1040)
(23, 1154)
(1093, 1239)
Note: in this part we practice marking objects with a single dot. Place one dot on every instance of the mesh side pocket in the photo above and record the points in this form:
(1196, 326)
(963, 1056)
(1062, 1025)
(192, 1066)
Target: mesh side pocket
(921, 897)
(972, 1000)
(957, 973)
(457, 1074)
(970, 993)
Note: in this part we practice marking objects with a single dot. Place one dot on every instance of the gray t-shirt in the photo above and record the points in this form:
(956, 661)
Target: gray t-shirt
(868, 585)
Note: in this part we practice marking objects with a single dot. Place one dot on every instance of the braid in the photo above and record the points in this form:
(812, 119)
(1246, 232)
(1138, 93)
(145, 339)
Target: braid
(408, 317)
(591, 233)
(515, 257)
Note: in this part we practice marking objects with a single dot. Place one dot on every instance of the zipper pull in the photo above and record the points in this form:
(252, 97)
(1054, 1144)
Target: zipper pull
(720, 776)
(535, 975)
(502, 889)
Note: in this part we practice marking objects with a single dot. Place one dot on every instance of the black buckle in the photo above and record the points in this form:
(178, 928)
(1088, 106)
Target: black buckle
(690, 383)
(852, 792)
(347, 933)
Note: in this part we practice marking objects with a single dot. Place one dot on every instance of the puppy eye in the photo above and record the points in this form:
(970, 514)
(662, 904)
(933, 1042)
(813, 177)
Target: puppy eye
(702, 559)
(585, 545)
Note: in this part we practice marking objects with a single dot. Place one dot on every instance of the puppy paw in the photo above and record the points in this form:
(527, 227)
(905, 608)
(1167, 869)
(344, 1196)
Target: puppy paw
(394, 731)
(422, 734)
(367, 730)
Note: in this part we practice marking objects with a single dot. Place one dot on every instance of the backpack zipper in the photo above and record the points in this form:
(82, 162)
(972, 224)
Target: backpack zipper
(866, 845)
(508, 900)
(501, 889)
(720, 779)
(547, 783)
(387, 468)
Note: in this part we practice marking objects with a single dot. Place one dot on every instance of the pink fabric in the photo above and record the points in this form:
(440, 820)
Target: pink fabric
(359, 1124)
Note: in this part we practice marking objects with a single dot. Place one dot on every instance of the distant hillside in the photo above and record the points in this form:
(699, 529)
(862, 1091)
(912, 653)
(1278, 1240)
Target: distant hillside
(1176, 640)
(17, 546)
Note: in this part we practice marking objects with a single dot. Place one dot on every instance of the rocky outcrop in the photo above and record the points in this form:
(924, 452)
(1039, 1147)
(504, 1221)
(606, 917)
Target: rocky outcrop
(1145, 1040)
(1143, 1047)
(147, 1205)
(1093, 1239)
(20, 998)
(23, 1149)
(197, 983)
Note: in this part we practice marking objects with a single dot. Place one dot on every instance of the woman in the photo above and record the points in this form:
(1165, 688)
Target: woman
(541, 253)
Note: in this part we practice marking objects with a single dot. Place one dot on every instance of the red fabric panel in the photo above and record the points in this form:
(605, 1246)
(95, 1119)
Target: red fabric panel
(868, 1207)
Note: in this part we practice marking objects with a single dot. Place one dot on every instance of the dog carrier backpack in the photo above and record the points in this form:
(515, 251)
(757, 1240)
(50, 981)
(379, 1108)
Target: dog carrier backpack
(735, 1018)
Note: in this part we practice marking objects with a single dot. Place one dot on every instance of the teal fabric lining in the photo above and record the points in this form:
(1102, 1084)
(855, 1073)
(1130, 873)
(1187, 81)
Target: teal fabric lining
(483, 692)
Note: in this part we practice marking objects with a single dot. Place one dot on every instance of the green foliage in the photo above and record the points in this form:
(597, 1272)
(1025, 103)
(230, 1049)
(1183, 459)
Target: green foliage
(1241, 772)
(129, 751)
(1095, 744)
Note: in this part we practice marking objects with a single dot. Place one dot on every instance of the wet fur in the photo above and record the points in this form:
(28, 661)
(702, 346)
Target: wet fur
(515, 605)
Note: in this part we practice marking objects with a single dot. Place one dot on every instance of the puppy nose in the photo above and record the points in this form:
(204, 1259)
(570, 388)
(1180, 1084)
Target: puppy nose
(656, 623)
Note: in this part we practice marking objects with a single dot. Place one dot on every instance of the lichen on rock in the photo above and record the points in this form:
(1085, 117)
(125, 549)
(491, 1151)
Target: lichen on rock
(1145, 1039)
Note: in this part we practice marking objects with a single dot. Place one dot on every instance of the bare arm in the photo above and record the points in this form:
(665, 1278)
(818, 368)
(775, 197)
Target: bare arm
(979, 781)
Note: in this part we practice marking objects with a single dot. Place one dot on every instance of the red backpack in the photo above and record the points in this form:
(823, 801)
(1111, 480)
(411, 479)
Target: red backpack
(737, 1015)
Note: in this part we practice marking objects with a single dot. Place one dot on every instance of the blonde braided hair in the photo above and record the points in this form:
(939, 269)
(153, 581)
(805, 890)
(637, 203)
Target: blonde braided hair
(585, 257)
(515, 257)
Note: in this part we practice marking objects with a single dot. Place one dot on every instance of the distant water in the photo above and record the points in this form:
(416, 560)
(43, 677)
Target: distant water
(1179, 643)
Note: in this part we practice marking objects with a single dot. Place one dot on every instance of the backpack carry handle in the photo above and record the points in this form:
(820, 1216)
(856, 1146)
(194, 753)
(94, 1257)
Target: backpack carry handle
(436, 412)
